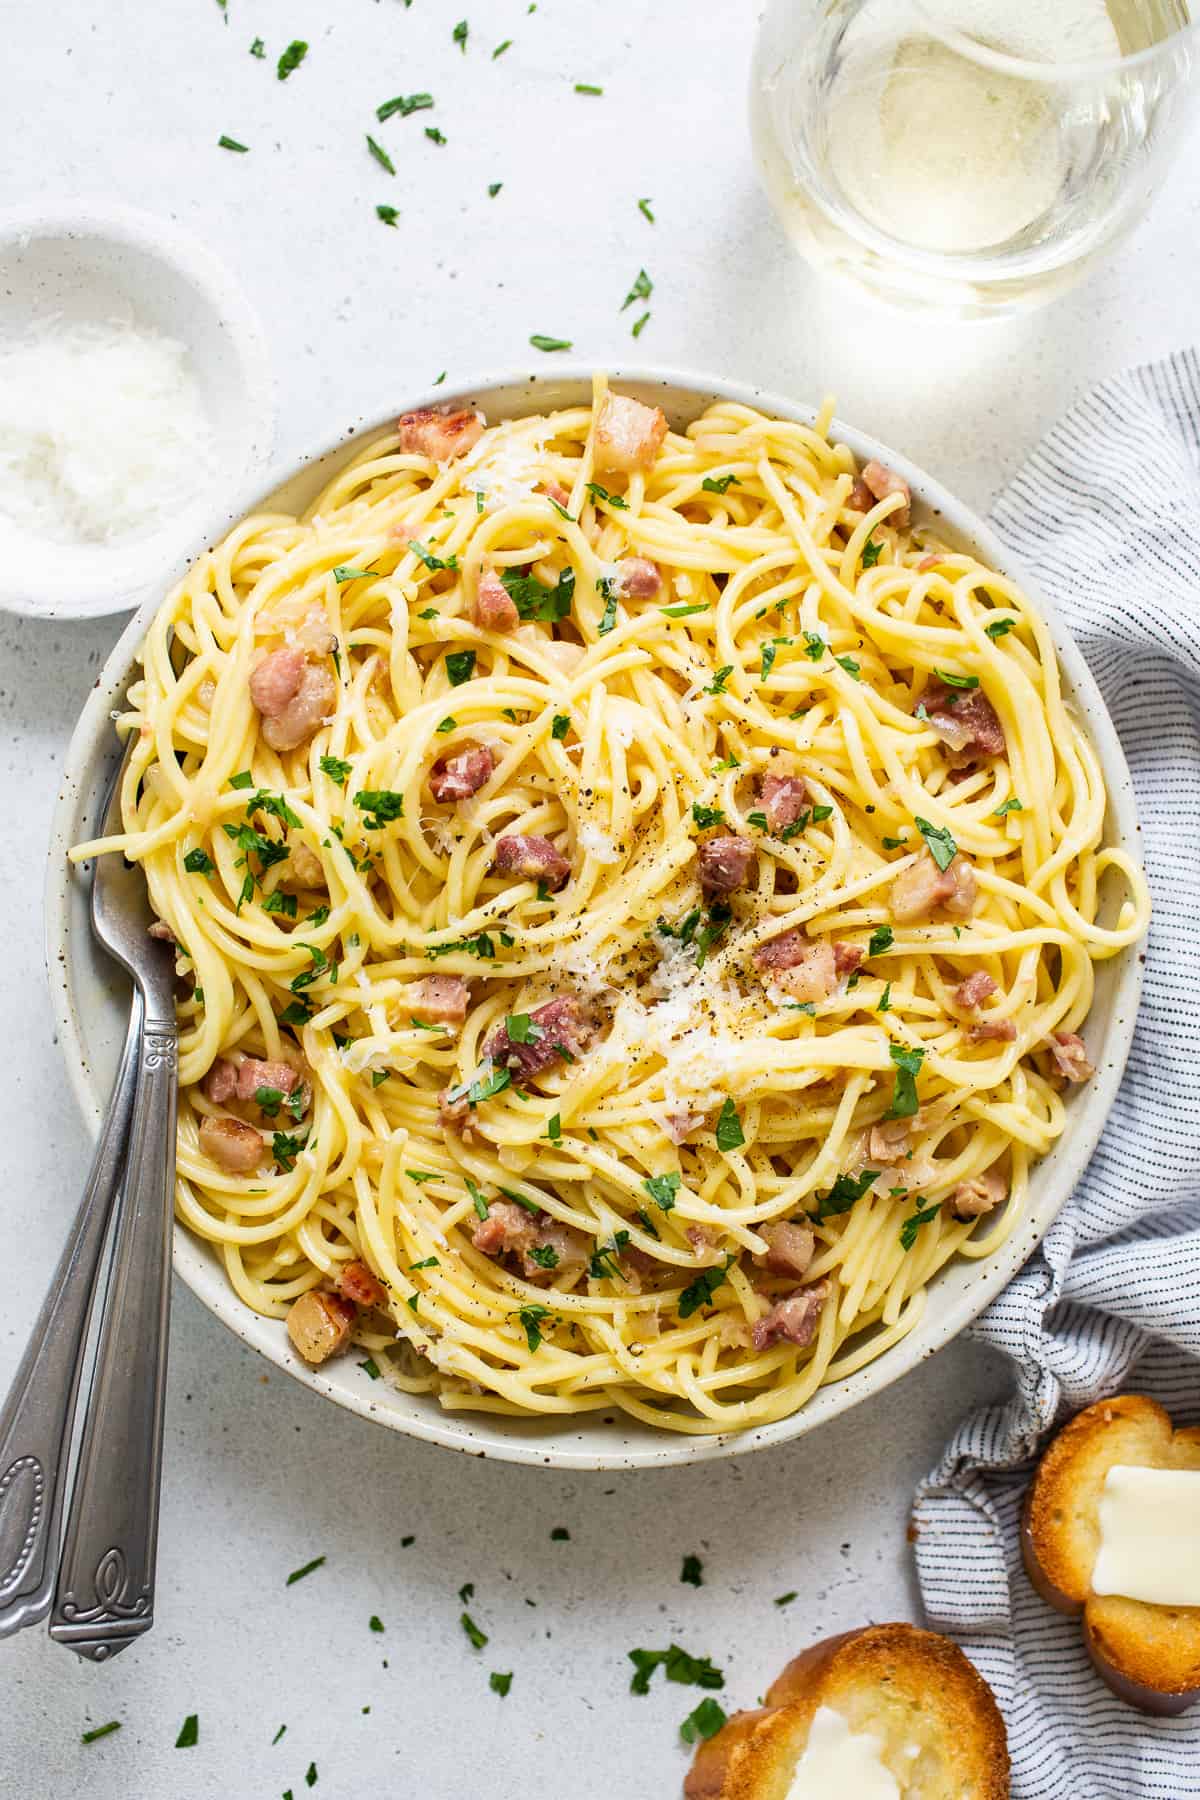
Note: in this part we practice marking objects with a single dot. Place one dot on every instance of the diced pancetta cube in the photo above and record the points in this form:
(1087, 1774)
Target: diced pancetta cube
(965, 720)
(161, 931)
(558, 1032)
(846, 958)
(320, 1324)
(790, 1248)
(233, 1146)
(1070, 1056)
(304, 868)
(983, 1031)
(978, 987)
(813, 976)
(438, 1000)
(532, 858)
(794, 1319)
(459, 776)
(355, 1282)
(982, 1194)
(880, 481)
(922, 887)
(784, 798)
(220, 1084)
(440, 433)
(628, 435)
(637, 578)
(725, 862)
(495, 608)
(293, 696)
(890, 1140)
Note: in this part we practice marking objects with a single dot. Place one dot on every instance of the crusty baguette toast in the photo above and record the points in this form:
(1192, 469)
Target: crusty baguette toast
(1148, 1654)
(906, 1686)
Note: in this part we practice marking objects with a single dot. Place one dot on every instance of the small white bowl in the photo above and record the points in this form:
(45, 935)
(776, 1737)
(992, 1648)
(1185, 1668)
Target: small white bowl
(93, 265)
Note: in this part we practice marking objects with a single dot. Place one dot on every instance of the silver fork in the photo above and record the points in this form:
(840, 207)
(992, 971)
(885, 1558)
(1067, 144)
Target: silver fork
(102, 1581)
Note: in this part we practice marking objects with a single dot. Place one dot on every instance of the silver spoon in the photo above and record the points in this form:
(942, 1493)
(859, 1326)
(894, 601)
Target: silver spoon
(103, 1581)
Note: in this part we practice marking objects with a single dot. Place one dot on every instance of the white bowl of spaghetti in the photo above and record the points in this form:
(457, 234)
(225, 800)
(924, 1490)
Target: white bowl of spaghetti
(638, 906)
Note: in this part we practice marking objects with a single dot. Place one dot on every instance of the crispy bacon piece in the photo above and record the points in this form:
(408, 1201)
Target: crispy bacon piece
(796, 1318)
(439, 432)
(637, 578)
(784, 798)
(532, 858)
(965, 720)
(628, 435)
(812, 976)
(439, 1000)
(978, 987)
(725, 863)
(860, 498)
(495, 608)
(880, 481)
(1070, 1056)
(509, 1230)
(561, 1025)
(355, 1282)
(459, 776)
(789, 1249)
(320, 1324)
(292, 695)
(922, 887)
(235, 1147)
(256, 1073)
(982, 1194)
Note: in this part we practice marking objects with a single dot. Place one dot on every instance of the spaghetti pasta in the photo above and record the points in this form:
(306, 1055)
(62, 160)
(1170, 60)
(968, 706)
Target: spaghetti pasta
(636, 894)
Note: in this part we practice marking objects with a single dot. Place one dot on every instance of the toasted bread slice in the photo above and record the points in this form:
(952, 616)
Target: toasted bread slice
(1148, 1654)
(911, 1688)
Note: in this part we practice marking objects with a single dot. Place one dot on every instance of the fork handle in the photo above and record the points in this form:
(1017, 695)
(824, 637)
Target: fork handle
(38, 1415)
(105, 1593)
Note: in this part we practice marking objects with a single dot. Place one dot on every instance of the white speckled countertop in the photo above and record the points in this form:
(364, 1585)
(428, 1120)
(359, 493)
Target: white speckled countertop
(126, 102)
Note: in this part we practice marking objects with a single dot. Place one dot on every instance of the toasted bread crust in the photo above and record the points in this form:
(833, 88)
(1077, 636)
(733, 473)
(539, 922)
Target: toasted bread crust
(1149, 1655)
(910, 1687)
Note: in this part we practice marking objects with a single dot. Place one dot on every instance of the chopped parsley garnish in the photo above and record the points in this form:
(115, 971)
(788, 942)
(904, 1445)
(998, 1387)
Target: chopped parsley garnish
(998, 628)
(871, 553)
(956, 681)
(704, 1722)
(730, 1135)
(446, 725)
(299, 1574)
(844, 1192)
(531, 1321)
(554, 1128)
(587, 87)
(941, 845)
(544, 1255)
(691, 1571)
(291, 59)
(466, 1593)
(910, 1227)
(717, 684)
(477, 1199)
(851, 667)
(269, 1100)
(908, 1067)
(684, 612)
(609, 618)
(767, 663)
(370, 1367)
(601, 1266)
(540, 342)
(276, 805)
(885, 999)
(819, 815)
(243, 779)
(459, 34)
(295, 1013)
(895, 843)
(814, 646)
(642, 289)
(1012, 805)
(714, 928)
(699, 1292)
(344, 572)
(677, 1664)
(480, 945)
(602, 494)
(706, 815)
(285, 1149)
(189, 1732)
(429, 559)
(533, 600)
(882, 938)
(560, 725)
(223, 143)
(379, 806)
(644, 209)
(523, 1028)
(99, 1731)
(380, 154)
(460, 666)
(500, 1683)
(403, 104)
(199, 862)
(719, 484)
(662, 1189)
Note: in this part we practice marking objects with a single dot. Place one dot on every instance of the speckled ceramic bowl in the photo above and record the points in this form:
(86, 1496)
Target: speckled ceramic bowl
(90, 994)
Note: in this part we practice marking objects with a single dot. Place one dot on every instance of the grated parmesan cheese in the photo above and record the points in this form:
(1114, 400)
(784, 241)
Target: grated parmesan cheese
(103, 434)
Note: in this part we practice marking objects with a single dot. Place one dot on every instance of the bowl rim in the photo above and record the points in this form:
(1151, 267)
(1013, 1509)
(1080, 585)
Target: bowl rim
(485, 1434)
(162, 239)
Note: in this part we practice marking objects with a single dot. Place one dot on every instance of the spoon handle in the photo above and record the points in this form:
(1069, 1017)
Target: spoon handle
(105, 1593)
(38, 1415)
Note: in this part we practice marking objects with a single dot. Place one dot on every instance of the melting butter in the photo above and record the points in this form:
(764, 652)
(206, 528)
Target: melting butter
(1150, 1535)
(837, 1760)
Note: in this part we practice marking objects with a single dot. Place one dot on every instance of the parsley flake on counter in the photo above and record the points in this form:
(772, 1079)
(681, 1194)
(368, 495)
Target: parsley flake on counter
(642, 289)
(587, 87)
(478, 1638)
(662, 1189)
(459, 35)
(291, 59)
(678, 1665)
(499, 51)
(189, 1732)
(434, 135)
(560, 1535)
(730, 1135)
(278, 1735)
(691, 1571)
(380, 154)
(639, 325)
(370, 1367)
(549, 343)
(704, 1722)
(910, 1227)
(908, 1066)
(786, 1599)
(228, 143)
(939, 842)
(871, 553)
(310, 1775)
(500, 1683)
(99, 1731)
(404, 104)
(299, 1574)
(258, 48)
(466, 1593)
(374, 1623)
(494, 188)
(644, 209)
(460, 666)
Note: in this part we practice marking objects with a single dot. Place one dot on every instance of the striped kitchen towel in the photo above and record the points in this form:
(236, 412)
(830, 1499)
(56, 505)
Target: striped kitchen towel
(1106, 514)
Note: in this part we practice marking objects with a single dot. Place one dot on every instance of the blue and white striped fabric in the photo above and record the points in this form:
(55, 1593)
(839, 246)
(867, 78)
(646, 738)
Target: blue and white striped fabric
(1107, 512)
